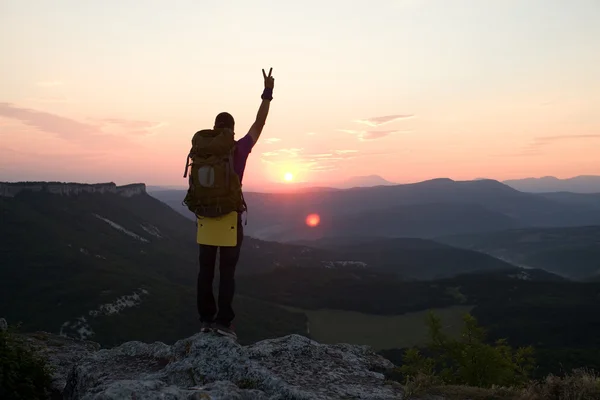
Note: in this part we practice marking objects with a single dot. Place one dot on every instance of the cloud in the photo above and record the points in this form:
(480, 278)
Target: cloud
(50, 83)
(536, 147)
(542, 141)
(326, 160)
(272, 140)
(133, 127)
(65, 128)
(369, 135)
(292, 152)
(386, 119)
(345, 151)
(311, 133)
(270, 153)
(372, 135)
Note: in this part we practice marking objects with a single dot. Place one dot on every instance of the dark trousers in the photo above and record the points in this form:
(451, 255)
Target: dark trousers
(228, 258)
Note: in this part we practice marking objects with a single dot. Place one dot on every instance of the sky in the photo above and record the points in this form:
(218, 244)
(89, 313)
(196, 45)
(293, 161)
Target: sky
(410, 90)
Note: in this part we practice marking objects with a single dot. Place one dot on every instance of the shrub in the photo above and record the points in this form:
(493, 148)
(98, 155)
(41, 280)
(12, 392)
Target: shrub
(581, 384)
(468, 360)
(23, 374)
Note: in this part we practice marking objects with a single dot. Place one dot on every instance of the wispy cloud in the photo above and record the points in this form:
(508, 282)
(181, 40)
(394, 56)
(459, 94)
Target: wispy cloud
(372, 135)
(311, 133)
(536, 147)
(65, 128)
(543, 141)
(272, 140)
(133, 127)
(386, 119)
(369, 135)
(293, 152)
(351, 131)
(327, 160)
(50, 83)
(345, 151)
(270, 154)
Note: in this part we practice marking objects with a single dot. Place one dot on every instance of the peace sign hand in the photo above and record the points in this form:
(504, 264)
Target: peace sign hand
(269, 80)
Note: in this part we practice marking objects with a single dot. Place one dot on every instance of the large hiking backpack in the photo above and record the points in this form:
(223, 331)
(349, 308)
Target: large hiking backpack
(214, 187)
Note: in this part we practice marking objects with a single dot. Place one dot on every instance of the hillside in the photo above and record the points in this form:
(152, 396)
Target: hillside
(107, 262)
(424, 209)
(560, 318)
(109, 266)
(412, 258)
(410, 221)
(591, 200)
(115, 264)
(570, 252)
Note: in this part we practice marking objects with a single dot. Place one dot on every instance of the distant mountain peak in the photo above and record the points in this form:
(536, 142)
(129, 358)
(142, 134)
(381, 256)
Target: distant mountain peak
(544, 184)
(365, 181)
(438, 180)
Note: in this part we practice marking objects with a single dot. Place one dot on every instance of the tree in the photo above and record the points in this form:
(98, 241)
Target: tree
(23, 374)
(468, 360)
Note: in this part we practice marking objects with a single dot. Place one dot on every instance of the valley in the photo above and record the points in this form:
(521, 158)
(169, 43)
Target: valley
(381, 332)
(113, 266)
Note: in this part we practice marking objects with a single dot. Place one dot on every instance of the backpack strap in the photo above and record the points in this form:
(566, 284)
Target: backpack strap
(245, 209)
(187, 165)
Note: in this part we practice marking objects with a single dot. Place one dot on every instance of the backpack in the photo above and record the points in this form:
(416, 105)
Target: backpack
(214, 187)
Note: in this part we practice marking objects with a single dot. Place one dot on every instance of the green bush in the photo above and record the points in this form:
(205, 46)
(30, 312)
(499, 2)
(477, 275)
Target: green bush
(468, 360)
(23, 374)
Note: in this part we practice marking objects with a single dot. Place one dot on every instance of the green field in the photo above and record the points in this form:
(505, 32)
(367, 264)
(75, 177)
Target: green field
(378, 331)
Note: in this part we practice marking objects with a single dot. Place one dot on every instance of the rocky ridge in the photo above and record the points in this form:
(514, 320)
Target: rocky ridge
(11, 189)
(207, 366)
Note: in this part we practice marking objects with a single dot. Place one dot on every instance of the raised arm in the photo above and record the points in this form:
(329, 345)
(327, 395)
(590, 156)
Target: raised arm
(263, 110)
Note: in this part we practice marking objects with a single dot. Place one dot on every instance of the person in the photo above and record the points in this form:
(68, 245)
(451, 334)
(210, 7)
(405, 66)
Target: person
(228, 256)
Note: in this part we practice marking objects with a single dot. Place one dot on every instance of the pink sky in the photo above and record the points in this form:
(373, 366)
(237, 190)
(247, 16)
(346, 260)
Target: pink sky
(406, 89)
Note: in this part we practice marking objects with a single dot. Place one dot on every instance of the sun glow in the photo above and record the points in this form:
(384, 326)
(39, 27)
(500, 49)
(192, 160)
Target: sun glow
(313, 220)
(288, 177)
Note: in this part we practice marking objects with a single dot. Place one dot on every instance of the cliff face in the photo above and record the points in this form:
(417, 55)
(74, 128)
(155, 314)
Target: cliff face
(9, 189)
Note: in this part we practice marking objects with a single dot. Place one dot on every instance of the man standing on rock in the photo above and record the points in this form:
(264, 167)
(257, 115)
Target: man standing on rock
(229, 256)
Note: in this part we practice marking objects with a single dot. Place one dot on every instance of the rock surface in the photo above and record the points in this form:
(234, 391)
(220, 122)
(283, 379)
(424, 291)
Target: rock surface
(206, 366)
(62, 354)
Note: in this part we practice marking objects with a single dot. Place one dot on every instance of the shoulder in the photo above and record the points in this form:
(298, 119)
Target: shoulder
(245, 144)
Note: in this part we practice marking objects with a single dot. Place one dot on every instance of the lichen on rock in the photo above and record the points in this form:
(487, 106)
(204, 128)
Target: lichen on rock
(207, 366)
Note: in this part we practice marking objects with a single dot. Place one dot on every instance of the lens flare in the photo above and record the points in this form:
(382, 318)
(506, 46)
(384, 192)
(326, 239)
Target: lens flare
(313, 220)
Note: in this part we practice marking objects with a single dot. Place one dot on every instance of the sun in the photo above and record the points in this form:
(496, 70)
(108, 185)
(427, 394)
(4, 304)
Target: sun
(288, 177)
(313, 220)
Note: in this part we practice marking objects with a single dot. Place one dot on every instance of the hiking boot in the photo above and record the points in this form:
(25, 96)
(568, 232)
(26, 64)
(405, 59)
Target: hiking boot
(226, 331)
(206, 327)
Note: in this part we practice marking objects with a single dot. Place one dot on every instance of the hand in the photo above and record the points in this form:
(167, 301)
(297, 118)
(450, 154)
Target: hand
(269, 80)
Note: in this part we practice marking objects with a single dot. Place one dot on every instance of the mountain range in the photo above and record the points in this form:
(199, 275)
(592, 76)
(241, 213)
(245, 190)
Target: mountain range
(577, 184)
(78, 259)
(572, 252)
(113, 263)
(425, 210)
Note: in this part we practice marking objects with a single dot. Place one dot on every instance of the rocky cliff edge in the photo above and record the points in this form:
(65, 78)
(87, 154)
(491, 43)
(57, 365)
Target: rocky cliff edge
(207, 366)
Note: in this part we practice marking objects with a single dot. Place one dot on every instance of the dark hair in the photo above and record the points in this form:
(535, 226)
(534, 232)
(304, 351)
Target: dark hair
(224, 120)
